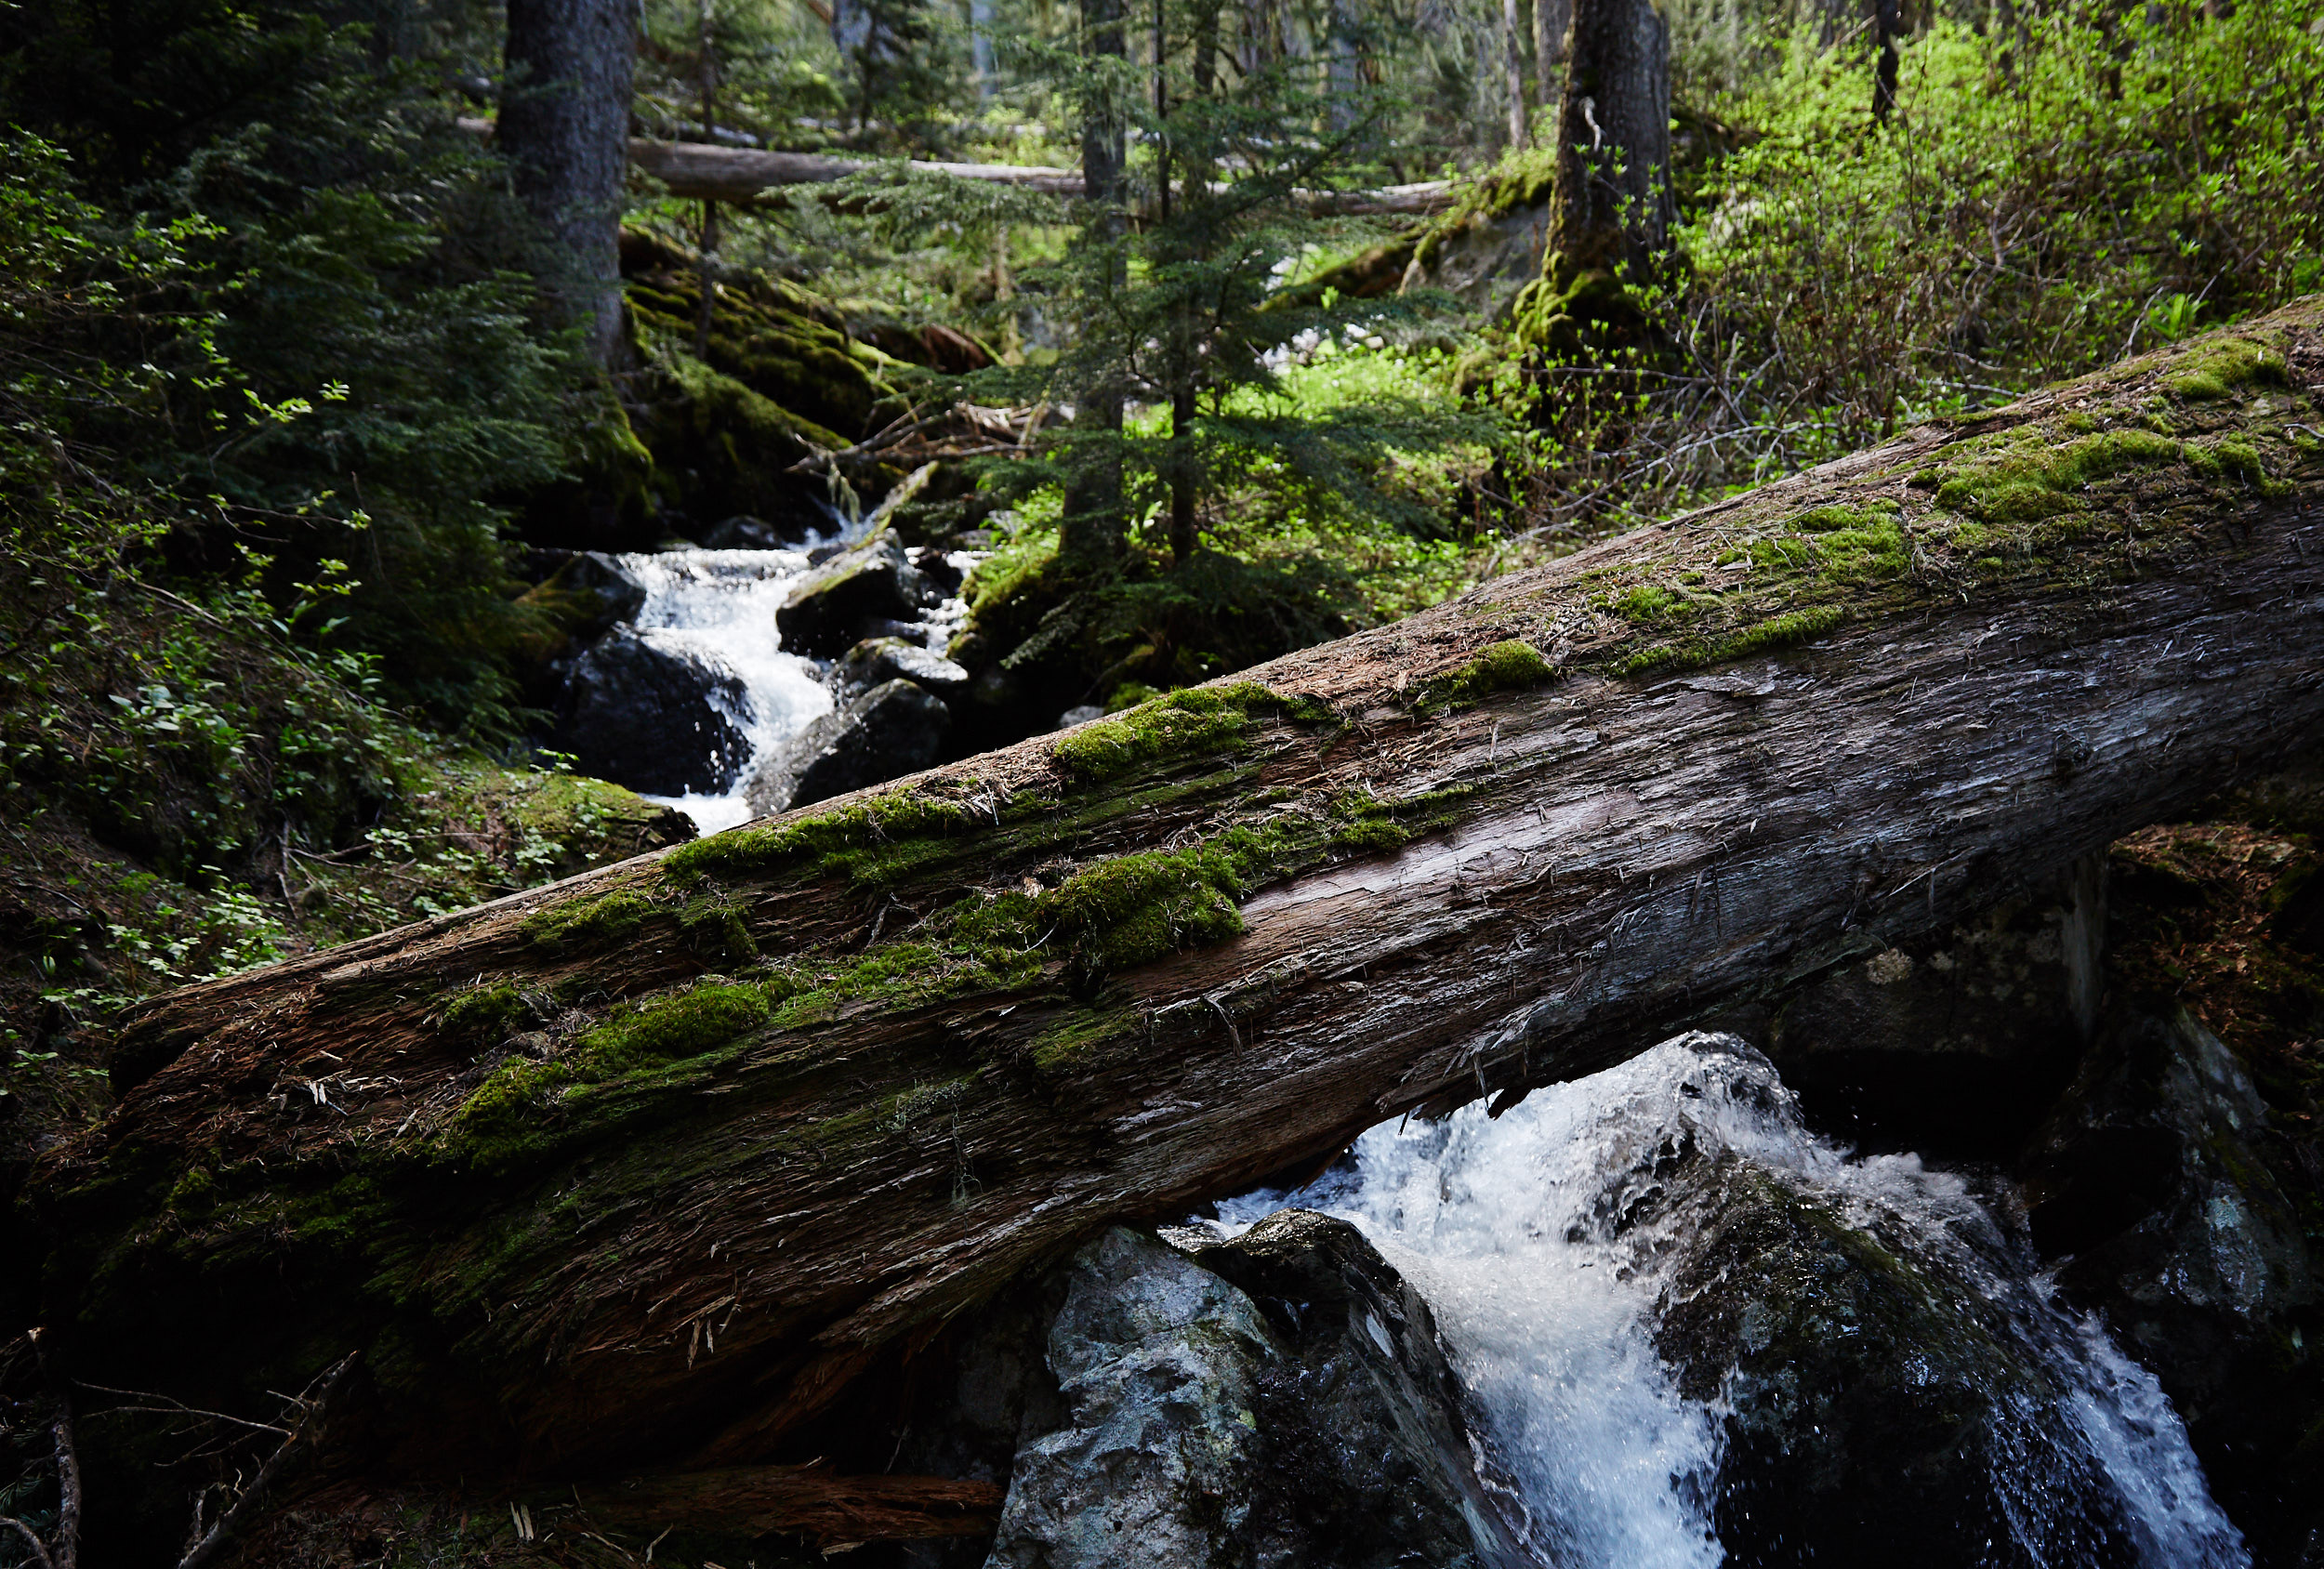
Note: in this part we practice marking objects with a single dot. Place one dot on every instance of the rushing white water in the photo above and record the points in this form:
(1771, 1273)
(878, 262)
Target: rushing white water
(1544, 1242)
(717, 607)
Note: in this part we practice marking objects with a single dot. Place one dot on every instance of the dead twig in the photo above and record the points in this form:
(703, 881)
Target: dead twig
(303, 1437)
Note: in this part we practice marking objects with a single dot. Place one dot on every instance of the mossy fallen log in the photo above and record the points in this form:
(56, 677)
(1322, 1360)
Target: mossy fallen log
(640, 1171)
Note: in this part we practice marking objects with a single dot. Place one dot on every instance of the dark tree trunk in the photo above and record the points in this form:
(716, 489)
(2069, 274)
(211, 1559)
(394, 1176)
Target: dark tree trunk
(1885, 30)
(1512, 839)
(564, 123)
(1090, 534)
(1613, 203)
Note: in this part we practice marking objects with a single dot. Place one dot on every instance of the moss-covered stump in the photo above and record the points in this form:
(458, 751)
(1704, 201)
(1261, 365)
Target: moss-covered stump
(653, 1164)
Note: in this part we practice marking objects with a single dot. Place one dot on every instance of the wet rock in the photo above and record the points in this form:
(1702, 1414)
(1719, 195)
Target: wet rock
(599, 592)
(1890, 1393)
(895, 729)
(877, 661)
(652, 718)
(1953, 1044)
(743, 532)
(1303, 1419)
(2159, 1188)
(1157, 1359)
(1369, 1455)
(849, 597)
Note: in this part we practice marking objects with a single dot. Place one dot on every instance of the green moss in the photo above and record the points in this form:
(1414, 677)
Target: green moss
(1130, 910)
(1841, 516)
(2239, 459)
(827, 842)
(1508, 665)
(589, 923)
(497, 1123)
(2217, 368)
(2021, 478)
(1068, 1042)
(714, 928)
(485, 1012)
(1199, 723)
(1778, 631)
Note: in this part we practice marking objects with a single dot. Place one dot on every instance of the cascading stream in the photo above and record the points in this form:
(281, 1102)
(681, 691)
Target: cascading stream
(1569, 1251)
(716, 609)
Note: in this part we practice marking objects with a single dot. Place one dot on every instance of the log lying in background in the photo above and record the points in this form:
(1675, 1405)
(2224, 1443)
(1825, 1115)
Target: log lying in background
(959, 1023)
(703, 171)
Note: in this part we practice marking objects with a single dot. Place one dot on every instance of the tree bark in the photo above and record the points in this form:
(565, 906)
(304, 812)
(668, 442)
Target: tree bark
(1613, 203)
(1090, 528)
(1510, 840)
(564, 123)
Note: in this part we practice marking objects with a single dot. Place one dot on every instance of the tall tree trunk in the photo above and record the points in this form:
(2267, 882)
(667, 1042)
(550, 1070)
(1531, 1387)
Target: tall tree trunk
(1551, 19)
(1613, 201)
(878, 1056)
(1091, 533)
(1885, 30)
(1513, 72)
(564, 123)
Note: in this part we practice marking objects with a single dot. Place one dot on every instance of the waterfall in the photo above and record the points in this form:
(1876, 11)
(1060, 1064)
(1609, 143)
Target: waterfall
(1562, 1249)
(716, 609)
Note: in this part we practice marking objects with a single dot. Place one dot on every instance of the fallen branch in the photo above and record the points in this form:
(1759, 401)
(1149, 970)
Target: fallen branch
(292, 1449)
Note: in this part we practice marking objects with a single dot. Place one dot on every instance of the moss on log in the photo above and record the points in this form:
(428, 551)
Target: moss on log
(653, 1162)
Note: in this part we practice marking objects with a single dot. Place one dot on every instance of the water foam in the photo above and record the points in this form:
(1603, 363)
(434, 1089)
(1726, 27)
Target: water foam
(1540, 1241)
(716, 607)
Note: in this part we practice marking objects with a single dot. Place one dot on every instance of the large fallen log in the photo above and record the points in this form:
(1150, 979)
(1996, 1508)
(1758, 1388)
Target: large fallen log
(707, 172)
(639, 1171)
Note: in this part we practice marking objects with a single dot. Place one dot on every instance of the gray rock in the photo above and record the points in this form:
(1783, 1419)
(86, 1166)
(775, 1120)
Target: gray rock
(848, 596)
(650, 719)
(743, 532)
(2160, 1185)
(895, 729)
(1157, 1359)
(1487, 259)
(600, 582)
(877, 661)
(1299, 1415)
(1081, 714)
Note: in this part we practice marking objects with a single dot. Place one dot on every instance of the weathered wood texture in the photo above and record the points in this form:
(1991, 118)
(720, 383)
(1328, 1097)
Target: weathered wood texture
(1779, 733)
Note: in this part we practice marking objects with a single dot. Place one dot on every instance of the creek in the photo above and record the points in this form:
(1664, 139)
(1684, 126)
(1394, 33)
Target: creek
(714, 611)
(1569, 1252)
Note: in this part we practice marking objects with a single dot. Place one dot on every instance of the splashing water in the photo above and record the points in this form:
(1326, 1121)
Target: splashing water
(1545, 1241)
(716, 607)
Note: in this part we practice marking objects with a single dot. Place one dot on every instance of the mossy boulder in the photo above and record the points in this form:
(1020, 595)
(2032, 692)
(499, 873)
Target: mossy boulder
(860, 593)
(895, 728)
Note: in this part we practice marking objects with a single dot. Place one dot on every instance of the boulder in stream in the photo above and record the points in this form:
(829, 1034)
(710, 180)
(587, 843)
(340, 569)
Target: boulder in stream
(652, 718)
(895, 729)
(1278, 1400)
(877, 661)
(855, 594)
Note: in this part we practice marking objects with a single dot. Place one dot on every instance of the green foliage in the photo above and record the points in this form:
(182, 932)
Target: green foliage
(2047, 197)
